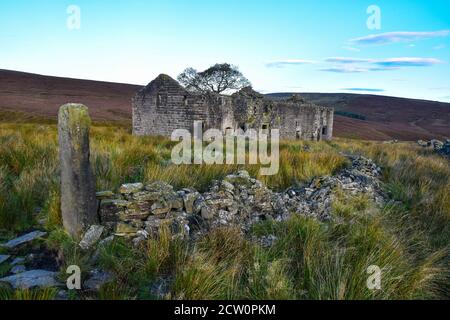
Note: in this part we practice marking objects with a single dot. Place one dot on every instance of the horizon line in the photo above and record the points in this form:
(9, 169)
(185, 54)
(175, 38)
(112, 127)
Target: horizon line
(268, 93)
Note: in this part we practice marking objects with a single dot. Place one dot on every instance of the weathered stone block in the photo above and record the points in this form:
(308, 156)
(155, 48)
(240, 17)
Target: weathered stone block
(207, 213)
(91, 237)
(4, 257)
(160, 207)
(78, 198)
(125, 229)
(159, 186)
(136, 211)
(189, 199)
(104, 195)
(174, 201)
(32, 279)
(131, 188)
(111, 209)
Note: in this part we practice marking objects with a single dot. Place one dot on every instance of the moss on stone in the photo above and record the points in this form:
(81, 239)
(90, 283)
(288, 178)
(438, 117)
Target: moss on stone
(77, 116)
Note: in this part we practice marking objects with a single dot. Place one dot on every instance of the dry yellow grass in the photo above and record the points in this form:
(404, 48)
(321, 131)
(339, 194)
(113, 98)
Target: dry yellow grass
(312, 260)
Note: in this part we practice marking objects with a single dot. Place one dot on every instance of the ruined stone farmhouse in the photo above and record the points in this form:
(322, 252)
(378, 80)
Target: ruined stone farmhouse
(164, 106)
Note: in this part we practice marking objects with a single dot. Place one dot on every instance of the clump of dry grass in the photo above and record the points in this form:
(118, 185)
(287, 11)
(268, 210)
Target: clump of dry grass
(213, 268)
(28, 294)
(28, 166)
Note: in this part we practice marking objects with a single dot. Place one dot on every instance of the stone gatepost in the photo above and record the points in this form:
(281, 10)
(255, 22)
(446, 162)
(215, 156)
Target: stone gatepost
(78, 201)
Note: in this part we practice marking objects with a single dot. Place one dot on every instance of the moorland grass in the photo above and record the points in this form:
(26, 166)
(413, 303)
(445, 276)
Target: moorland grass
(408, 239)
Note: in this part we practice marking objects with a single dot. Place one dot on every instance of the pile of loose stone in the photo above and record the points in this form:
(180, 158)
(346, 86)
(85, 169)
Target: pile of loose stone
(443, 148)
(139, 210)
(315, 199)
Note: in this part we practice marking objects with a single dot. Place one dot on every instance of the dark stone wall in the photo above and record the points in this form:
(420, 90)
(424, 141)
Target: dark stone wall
(164, 106)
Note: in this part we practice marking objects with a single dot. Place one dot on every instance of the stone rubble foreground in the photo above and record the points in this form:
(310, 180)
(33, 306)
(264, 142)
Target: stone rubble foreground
(238, 200)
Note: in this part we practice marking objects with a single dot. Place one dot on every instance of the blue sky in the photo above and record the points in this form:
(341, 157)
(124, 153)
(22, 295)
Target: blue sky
(290, 45)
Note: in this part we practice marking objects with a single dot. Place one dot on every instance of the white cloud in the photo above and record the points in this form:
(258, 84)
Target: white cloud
(400, 36)
(360, 65)
(407, 62)
(345, 69)
(346, 60)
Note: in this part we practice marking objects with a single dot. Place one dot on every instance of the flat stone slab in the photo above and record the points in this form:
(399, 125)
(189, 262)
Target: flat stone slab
(17, 261)
(18, 269)
(32, 279)
(91, 237)
(131, 188)
(104, 195)
(24, 239)
(97, 280)
(3, 258)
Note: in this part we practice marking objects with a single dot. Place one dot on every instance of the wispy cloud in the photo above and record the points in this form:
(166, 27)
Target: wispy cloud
(391, 62)
(385, 68)
(358, 65)
(407, 62)
(288, 62)
(345, 69)
(364, 89)
(400, 36)
(347, 60)
(355, 69)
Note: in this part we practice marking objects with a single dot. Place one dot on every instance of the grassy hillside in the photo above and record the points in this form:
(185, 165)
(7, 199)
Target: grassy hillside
(26, 96)
(41, 96)
(408, 239)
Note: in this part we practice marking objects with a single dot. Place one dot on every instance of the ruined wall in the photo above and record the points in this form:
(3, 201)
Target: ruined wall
(296, 119)
(160, 108)
(305, 122)
(164, 106)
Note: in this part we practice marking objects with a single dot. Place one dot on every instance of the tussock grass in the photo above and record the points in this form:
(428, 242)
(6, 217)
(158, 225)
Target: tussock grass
(408, 239)
(213, 269)
(28, 294)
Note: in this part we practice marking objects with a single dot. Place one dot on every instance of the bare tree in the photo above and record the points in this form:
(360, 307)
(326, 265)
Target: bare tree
(218, 78)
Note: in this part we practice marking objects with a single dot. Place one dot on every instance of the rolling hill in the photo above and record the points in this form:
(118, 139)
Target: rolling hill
(381, 117)
(41, 96)
(370, 117)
